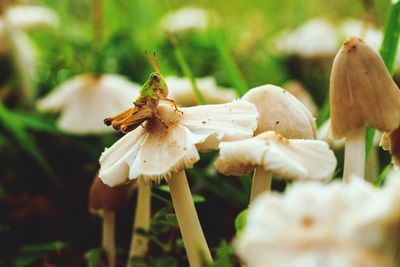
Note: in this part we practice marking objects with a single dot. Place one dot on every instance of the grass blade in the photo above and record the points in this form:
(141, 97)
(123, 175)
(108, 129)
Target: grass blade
(228, 63)
(186, 69)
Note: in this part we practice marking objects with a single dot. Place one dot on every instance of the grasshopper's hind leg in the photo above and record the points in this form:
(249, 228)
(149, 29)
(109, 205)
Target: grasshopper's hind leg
(173, 103)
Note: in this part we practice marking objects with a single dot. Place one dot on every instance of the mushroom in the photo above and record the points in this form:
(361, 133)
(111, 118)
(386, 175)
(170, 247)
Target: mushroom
(181, 91)
(14, 21)
(362, 92)
(85, 100)
(167, 144)
(280, 112)
(185, 19)
(314, 38)
(107, 201)
(323, 225)
(272, 153)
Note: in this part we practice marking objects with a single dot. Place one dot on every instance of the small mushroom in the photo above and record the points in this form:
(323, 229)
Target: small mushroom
(185, 19)
(86, 100)
(15, 20)
(270, 152)
(107, 201)
(314, 38)
(362, 92)
(283, 113)
(163, 147)
(181, 91)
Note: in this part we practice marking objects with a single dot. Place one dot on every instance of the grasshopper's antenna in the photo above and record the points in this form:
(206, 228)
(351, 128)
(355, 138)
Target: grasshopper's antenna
(156, 67)
(150, 60)
(156, 60)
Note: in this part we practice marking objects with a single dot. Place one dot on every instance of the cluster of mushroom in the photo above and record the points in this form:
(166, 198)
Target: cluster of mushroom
(163, 147)
(348, 224)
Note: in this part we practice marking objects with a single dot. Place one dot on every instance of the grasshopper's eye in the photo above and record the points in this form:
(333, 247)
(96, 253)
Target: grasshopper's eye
(156, 78)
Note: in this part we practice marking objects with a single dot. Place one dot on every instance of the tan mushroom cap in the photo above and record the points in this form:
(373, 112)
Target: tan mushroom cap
(281, 112)
(294, 159)
(362, 92)
(103, 197)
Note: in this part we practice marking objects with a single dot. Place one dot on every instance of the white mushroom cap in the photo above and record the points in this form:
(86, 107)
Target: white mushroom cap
(314, 38)
(281, 112)
(362, 92)
(13, 22)
(26, 17)
(292, 159)
(86, 100)
(322, 225)
(184, 19)
(180, 89)
(154, 152)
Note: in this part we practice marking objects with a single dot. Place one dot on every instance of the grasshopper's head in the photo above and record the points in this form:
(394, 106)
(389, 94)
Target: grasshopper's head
(156, 80)
(158, 84)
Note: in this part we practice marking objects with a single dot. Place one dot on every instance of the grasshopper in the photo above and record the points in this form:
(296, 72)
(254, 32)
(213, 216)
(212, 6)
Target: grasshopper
(145, 106)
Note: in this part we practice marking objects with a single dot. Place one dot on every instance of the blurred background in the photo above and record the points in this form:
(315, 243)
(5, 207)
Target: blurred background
(46, 172)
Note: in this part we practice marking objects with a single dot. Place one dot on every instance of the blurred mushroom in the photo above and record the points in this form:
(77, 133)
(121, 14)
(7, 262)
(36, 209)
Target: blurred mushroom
(314, 38)
(181, 91)
(282, 113)
(362, 92)
(185, 19)
(165, 146)
(14, 21)
(87, 99)
(107, 201)
(288, 158)
(323, 225)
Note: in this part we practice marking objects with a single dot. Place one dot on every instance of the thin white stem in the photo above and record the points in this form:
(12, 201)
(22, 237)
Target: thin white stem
(354, 155)
(108, 239)
(262, 180)
(139, 243)
(193, 237)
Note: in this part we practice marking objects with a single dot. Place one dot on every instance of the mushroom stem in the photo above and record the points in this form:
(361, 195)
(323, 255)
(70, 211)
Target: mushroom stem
(139, 243)
(354, 155)
(193, 237)
(108, 240)
(262, 180)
